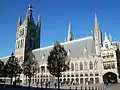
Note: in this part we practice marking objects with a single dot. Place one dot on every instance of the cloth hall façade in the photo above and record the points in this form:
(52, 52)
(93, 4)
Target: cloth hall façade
(93, 58)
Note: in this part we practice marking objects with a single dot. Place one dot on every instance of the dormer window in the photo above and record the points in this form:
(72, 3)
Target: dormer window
(85, 48)
(68, 53)
(43, 57)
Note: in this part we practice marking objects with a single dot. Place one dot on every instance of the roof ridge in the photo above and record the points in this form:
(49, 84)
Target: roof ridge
(80, 39)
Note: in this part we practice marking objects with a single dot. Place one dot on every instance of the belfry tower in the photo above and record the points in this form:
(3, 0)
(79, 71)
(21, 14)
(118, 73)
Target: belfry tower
(27, 35)
(97, 36)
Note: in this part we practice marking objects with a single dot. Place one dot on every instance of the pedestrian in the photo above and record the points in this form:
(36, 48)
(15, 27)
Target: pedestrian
(55, 85)
(49, 84)
(46, 84)
(37, 84)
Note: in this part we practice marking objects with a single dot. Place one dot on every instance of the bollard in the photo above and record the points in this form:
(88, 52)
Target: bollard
(85, 88)
(101, 88)
(76, 88)
(81, 87)
(89, 87)
(70, 88)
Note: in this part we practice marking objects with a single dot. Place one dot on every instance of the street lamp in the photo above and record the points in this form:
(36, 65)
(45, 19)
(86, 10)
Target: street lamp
(42, 69)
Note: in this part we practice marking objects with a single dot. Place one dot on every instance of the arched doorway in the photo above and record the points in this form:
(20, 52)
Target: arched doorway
(110, 77)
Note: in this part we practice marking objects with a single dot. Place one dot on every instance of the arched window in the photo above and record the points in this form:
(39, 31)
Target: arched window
(85, 65)
(96, 64)
(72, 67)
(91, 65)
(21, 43)
(81, 66)
(76, 66)
(97, 80)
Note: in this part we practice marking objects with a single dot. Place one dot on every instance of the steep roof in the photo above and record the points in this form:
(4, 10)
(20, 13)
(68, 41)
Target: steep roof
(4, 59)
(77, 48)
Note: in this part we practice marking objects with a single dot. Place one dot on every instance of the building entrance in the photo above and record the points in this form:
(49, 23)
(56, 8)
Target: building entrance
(110, 78)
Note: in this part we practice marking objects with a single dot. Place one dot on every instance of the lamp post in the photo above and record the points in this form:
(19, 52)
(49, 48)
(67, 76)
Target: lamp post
(42, 69)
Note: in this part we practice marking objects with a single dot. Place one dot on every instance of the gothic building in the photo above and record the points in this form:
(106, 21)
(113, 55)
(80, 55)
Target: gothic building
(93, 58)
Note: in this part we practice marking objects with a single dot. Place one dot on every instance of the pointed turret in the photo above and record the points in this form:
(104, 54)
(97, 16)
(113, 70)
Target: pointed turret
(110, 37)
(19, 21)
(38, 21)
(106, 36)
(65, 40)
(29, 13)
(97, 36)
(38, 31)
(70, 35)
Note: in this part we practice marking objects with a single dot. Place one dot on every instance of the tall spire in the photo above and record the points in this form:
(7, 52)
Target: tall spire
(19, 21)
(97, 27)
(97, 36)
(70, 35)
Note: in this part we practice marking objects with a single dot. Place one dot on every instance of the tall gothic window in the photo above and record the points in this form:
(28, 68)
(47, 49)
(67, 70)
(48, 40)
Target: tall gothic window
(30, 43)
(18, 44)
(76, 66)
(91, 65)
(21, 43)
(96, 64)
(72, 67)
(81, 66)
(85, 65)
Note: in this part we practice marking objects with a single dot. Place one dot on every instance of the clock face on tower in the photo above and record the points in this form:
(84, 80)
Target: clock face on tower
(21, 32)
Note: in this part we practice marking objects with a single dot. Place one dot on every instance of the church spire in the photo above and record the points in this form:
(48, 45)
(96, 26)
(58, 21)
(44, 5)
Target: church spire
(70, 35)
(97, 36)
(19, 21)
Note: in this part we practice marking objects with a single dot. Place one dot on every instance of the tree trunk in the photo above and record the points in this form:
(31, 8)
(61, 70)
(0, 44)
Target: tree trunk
(29, 81)
(19, 80)
(4, 80)
(15, 80)
(11, 80)
(26, 80)
(58, 83)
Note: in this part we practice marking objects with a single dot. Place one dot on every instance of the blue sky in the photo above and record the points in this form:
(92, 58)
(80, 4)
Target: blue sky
(55, 15)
